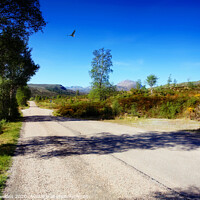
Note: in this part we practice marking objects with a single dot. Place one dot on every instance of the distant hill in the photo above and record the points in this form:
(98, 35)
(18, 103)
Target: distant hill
(126, 85)
(56, 89)
(49, 90)
(84, 90)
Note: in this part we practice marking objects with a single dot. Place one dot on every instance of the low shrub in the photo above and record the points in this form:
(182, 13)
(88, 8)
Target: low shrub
(116, 108)
(192, 101)
(170, 109)
(2, 123)
(94, 110)
(163, 103)
(133, 110)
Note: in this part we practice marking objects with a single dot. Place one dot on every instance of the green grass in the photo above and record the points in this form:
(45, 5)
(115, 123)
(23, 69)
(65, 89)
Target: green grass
(8, 141)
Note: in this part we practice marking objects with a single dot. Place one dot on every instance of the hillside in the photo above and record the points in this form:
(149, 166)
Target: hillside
(191, 84)
(194, 83)
(49, 90)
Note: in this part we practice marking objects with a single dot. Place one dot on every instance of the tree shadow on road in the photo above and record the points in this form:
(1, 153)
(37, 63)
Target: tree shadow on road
(103, 143)
(106, 143)
(181, 194)
(47, 118)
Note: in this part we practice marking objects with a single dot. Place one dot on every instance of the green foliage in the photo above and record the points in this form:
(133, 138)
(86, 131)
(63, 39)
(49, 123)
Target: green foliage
(191, 85)
(17, 67)
(2, 124)
(71, 100)
(101, 68)
(163, 91)
(134, 109)
(92, 110)
(175, 83)
(95, 93)
(22, 17)
(4, 99)
(15, 60)
(77, 92)
(18, 20)
(8, 102)
(138, 84)
(8, 140)
(102, 93)
(170, 109)
(38, 98)
(151, 80)
(173, 102)
(117, 109)
(169, 80)
(192, 102)
(23, 95)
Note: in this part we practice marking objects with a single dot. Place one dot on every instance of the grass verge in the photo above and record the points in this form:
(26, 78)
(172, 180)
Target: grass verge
(8, 140)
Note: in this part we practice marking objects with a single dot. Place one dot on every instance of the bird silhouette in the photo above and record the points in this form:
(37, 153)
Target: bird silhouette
(73, 34)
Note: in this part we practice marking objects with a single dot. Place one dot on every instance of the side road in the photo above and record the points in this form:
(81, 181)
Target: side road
(59, 158)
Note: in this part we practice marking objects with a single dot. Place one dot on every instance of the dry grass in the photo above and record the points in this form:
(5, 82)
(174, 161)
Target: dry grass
(158, 124)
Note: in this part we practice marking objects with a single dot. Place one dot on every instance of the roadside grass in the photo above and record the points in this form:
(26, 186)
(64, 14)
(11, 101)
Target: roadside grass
(8, 140)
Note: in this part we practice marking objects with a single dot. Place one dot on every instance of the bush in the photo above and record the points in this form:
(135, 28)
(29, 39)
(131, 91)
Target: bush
(134, 110)
(23, 95)
(170, 109)
(107, 112)
(192, 102)
(38, 98)
(94, 110)
(116, 108)
(2, 123)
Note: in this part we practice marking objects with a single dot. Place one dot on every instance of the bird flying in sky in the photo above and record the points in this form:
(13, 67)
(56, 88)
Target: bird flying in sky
(73, 34)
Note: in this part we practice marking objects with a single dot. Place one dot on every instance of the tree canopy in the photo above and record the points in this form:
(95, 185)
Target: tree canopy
(18, 20)
(151, 80)
(101, 68)
(23, 17)
(15, 60)
(16, 69)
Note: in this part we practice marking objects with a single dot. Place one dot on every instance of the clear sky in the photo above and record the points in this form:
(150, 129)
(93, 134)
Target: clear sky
(160, 37)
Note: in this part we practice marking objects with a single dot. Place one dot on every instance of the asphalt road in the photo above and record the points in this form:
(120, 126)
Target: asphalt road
(60, 158)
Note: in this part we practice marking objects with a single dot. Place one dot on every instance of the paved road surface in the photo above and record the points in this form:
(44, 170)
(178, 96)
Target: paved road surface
(59, 158)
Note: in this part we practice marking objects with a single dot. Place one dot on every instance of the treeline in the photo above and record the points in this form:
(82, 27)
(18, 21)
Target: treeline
(18, 20)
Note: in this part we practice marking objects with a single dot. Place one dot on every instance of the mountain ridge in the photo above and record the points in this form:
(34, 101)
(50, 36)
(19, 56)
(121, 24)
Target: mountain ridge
(126, 85)
(58, 89)
(49, 90)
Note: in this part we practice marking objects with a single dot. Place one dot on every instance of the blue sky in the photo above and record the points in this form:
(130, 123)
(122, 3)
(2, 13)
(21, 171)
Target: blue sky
(160, 37)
